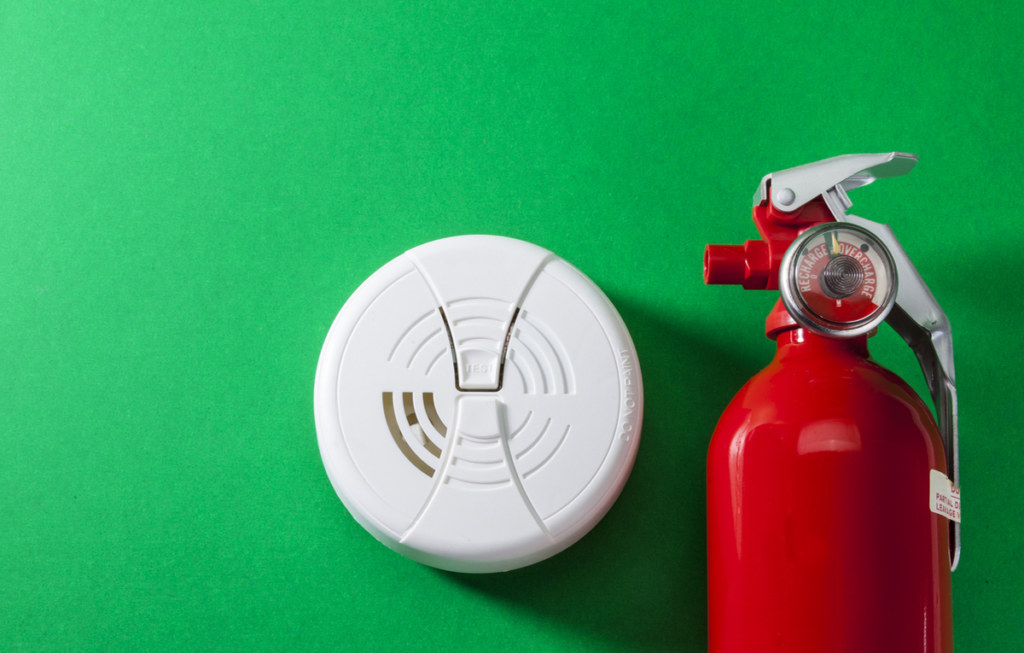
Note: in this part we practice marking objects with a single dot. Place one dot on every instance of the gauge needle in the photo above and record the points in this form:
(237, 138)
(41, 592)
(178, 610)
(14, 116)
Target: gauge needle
(833, 245)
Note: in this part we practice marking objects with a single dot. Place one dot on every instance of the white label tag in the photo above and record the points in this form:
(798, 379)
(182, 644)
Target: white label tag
(945, 499)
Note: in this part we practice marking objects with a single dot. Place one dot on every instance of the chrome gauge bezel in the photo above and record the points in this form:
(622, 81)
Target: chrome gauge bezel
(804, 315)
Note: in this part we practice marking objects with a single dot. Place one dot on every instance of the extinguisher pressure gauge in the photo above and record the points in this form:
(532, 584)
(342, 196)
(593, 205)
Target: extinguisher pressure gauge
(838, 280)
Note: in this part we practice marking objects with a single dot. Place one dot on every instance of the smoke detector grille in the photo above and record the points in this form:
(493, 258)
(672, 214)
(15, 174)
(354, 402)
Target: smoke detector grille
(478, 404)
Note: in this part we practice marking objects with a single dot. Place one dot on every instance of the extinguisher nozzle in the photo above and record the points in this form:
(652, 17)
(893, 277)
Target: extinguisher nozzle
(747, 265)
(724, 264)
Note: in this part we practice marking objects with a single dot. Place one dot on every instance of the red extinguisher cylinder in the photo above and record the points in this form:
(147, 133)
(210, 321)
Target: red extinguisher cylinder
(820, 536)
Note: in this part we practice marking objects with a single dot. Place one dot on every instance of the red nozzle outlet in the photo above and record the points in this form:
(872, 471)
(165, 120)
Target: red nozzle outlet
(724, 264)
(747, 264)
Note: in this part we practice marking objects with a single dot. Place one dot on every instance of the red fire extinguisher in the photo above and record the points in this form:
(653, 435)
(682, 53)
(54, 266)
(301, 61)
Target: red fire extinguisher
(833, 493)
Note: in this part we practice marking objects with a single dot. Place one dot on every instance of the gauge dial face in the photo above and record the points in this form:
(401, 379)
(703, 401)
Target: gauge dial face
(838, 279)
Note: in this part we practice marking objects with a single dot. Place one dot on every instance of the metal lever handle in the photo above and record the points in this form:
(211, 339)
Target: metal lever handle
(920, 321)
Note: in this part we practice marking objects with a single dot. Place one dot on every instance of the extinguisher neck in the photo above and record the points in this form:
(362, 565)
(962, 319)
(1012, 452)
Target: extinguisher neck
(802, 342)
(779, 321)
(792, 337)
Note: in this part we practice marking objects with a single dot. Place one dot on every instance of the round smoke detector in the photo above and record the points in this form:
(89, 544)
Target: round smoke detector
(478, 404)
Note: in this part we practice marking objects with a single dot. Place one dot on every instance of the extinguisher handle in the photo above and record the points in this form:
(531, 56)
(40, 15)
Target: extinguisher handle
(921, 322)
(830, 179)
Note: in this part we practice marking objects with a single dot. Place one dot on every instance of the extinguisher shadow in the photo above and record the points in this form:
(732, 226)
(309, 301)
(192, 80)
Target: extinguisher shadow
(639, 578)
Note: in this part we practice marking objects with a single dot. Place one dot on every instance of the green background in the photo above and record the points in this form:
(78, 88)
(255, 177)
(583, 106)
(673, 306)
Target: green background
(190, 191)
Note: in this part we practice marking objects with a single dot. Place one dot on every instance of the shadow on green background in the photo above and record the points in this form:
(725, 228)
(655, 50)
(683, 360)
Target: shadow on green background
(639, 577)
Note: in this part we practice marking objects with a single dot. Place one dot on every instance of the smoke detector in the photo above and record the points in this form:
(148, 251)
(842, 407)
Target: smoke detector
(478, 404)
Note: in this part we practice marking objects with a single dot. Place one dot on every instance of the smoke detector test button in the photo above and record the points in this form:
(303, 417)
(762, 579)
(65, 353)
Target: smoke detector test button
(478, 404)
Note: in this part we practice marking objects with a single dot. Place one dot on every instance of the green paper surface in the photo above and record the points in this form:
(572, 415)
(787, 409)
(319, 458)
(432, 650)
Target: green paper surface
(190, 191)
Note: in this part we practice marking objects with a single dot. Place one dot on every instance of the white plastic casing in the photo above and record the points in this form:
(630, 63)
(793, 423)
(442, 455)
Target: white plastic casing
(478, 404)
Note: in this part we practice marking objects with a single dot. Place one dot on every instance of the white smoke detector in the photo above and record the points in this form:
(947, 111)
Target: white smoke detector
(478, 404)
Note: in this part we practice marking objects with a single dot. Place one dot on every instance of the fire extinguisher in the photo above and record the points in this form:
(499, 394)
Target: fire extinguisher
(833, 493)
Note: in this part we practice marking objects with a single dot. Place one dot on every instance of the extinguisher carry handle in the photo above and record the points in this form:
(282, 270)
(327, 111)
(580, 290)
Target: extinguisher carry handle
(831, 178)
(921, 322)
